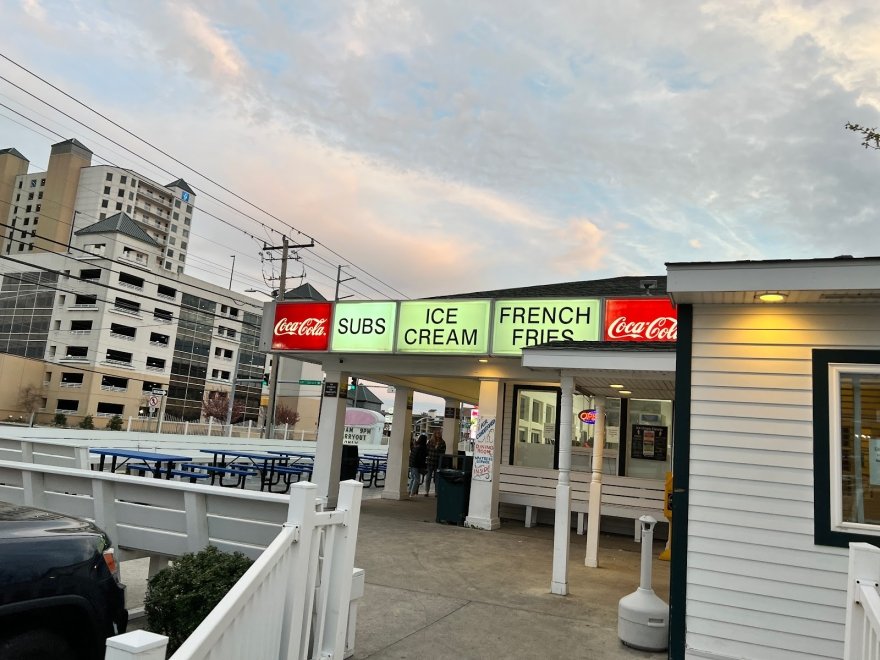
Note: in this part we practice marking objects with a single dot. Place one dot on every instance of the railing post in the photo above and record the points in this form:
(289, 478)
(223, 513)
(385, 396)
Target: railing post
(250, 424)
(128, 428)
(104, 503)
(297, 611)
(186, 428)
(81, 455)
(229, 433)
(27, 451)
(136, 645)
(864, 566)
(286, 426)
(34, 490)
(196, 507)
(338, 593)
(210, 424)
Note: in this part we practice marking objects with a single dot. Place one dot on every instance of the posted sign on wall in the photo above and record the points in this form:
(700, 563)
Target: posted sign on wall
(484, 449)
(302, 326)
(444, 326)
(640, 319)
(364, 327)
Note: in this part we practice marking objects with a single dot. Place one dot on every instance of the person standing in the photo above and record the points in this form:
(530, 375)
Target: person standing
(436, 449)
(417, 464)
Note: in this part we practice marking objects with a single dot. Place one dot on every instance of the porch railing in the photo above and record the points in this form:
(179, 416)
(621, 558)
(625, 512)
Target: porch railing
(293, 602)
(862, 637)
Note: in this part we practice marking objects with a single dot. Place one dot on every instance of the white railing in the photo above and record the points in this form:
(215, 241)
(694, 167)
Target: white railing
(862, 636)
(80, 332)
(305, 575)
(117, 335)
(135, 287)
(151, 367)
(70, 384)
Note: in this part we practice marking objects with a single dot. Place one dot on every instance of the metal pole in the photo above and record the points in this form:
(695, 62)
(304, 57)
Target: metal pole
(276, 359)
(232, 393)
(231, 271)
(161, 413)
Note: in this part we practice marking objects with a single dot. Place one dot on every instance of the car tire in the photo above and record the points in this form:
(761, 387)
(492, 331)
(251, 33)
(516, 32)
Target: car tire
(37, 645)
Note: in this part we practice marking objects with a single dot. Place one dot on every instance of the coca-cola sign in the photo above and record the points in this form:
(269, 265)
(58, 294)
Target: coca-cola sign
(640, 319)
(302, 326)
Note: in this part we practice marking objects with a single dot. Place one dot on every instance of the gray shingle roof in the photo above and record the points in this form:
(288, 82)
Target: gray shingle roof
(180, 183)
(304, 292)
(13, 152)
(611, 287)
(72, 141)
(120, 223)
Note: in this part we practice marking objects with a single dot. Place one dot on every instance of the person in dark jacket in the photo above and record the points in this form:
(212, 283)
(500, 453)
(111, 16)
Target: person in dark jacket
(417, 464)
(436, 448)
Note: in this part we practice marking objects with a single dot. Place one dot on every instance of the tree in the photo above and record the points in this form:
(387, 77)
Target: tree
(217, 406)
(30, 398)
(115, 423)
(285, 415)
(87, 423)
(60, 419)
(870, 136)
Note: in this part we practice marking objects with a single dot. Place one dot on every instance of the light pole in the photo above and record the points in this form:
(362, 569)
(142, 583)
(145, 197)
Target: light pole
(231, 271)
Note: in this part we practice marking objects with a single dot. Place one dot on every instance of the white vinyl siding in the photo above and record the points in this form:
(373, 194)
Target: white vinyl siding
(758, 586)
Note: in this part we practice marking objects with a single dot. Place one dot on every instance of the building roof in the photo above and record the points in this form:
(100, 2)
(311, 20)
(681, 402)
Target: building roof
(120, 223)
(304, 292)
(364, 395)
(610, 287)
(769, 262)
(72, 142)
(13, 152)
(180, 183)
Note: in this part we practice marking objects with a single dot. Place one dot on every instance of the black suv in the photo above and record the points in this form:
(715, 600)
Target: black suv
(60, 595)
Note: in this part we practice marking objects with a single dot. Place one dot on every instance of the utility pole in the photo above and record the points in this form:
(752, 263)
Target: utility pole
(234, 382)
(339, 281)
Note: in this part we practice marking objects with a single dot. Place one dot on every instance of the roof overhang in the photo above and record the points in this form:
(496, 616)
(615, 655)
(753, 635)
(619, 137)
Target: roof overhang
(839, 280)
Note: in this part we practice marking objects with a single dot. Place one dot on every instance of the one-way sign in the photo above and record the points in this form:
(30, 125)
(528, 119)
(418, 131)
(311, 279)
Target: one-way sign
(160, 392)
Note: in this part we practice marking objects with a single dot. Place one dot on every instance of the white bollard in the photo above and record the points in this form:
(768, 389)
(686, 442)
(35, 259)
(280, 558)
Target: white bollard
(128, 429)
(186, 428)
(210, 424)
(136, 645)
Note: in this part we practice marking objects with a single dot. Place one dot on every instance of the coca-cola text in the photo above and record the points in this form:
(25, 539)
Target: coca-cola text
(310, 327)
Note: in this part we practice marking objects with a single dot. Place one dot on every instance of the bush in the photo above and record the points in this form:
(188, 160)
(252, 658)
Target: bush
(87, 422)
(179, 597)
(60, 419)
(115, 423)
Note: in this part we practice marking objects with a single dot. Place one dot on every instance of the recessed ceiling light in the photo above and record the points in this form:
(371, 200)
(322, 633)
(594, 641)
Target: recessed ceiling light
(624, 392)
(616, 387)
(482, 360)
(772, 296)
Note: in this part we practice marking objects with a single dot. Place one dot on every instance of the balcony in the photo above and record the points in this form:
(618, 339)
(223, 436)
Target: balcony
(164, 296)
(116, 335)
(80, 332)
(113, 388)
(156, 369)
(73, 358)
(118, 363)
(65, 411)
(127, 311)
(71, 385)
(163, 319)
(133, 287)
(160, 344)
(83, 307)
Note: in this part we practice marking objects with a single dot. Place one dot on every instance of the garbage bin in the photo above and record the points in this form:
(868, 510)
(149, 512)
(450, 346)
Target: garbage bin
(453, 491)
(348, 469)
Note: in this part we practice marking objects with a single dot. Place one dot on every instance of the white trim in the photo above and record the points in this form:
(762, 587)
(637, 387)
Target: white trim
(586, 359)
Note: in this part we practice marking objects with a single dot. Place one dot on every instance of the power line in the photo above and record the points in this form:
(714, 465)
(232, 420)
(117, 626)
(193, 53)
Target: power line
(182, 164)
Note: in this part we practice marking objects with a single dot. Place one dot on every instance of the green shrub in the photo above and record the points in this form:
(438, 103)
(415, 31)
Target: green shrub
(60, 419)
(87, 422)
(115, 423)
(179, 597)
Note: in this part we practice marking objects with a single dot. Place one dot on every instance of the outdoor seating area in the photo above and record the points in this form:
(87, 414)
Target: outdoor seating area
(272, 471)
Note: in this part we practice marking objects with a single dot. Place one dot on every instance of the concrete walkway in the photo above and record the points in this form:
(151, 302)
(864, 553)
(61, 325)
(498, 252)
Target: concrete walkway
(439, 591)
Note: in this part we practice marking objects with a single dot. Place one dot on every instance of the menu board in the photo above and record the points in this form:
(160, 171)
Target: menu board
(649, 442)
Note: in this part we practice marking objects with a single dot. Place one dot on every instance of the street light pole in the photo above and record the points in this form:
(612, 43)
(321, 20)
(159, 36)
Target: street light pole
(231, 271)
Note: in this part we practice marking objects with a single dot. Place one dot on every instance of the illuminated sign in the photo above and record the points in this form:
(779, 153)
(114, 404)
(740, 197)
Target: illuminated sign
(302, 326)
(363, 327)
(184, 195)
(640, 319)
(444, 326)
(520, 323)
(587, 416)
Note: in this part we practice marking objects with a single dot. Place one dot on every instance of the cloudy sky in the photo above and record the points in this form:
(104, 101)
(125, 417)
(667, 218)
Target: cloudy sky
(443, 147)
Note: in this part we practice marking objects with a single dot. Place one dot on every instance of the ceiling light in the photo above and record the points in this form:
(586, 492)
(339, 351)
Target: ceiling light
(772, 296)
(624, 392)
(483, 360)
(616, 387)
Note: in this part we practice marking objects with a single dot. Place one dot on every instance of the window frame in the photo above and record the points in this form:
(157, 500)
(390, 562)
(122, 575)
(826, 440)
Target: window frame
(829, 527)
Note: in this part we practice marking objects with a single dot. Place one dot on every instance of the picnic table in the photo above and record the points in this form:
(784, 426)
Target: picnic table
(158, 463)
(263, 464)
(374, 464)
(299, 463)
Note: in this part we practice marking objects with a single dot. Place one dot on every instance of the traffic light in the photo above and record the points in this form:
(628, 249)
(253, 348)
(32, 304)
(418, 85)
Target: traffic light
(266, 378)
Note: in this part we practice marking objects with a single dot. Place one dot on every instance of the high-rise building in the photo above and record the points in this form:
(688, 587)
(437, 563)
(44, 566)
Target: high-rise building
(42, 211)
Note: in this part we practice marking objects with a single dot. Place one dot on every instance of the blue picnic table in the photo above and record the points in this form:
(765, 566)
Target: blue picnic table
(158, 463)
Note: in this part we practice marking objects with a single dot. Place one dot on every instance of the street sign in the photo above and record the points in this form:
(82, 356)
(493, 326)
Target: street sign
(153, 401)
(160, 392)
(310, 382)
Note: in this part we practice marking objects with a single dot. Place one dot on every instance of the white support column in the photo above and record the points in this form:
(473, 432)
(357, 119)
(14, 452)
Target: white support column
(452, 425)
(595, 510)
(483, 506)
(562, 521)
(331, 426)
(398, 445)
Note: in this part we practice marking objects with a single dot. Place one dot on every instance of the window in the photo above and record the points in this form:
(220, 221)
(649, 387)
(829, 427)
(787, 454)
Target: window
(175, 216)
(30, 196)
(104, 203)
(42, 182)
(90, 273)
(33, 183)
(109, 176)
(80, 326)
(110, 409)
(121, 193)
(106, 190)
(846, 445)
(67, 405)
(123, 180)
(189, 208)
(177, 203)
(128, 209)
(122, 331)
(533, 438)
(166, 291)
(77, 351)
(118, 206)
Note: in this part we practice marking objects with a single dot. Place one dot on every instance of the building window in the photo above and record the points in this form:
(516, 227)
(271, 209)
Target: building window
(123, 179)
(106, 190)
(533, 439)
(177, 203)
(104, 203)
(121, 193)
(118, 206)
(33, 183)
(42, 182)
(109, 176)
(846, 446)
(175, 216)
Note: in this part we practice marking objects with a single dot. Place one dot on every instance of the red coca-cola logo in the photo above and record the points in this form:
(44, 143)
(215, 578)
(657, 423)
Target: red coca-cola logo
(640, 320)
(302, 326)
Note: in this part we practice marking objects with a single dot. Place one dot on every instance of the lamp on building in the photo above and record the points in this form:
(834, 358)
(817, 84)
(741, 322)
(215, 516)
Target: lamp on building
(772, 296)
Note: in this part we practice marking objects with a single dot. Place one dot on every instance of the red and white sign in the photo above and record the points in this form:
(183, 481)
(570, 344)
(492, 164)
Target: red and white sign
(302, 326)
(640, 319)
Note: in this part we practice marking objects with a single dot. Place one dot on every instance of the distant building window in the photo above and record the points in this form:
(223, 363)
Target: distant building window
(106, 190)
(42, 182)
(128, 209)
(109, 176)
(104, 203)
(30, 195)
(121, 193)
(123, 179)
(189, 209)
(167, 265)
(33, 183)
(175, 216)
(177, 203)
(118, 206)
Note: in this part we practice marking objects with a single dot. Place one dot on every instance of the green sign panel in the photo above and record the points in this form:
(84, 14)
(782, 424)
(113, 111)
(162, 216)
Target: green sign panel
(363, 327)
(310, 382)
(444, 326)
(520, 323)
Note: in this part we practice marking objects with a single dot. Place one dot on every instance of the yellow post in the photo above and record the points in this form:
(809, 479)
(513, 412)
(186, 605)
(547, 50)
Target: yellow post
(667, 512)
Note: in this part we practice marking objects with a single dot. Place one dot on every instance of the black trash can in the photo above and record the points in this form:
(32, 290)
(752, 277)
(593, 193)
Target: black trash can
(453, 490)
(349, 466)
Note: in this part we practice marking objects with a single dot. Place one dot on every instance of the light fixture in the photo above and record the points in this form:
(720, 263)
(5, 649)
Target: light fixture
(616, 387)
(624, 392)
(483, 360)
(772, 296)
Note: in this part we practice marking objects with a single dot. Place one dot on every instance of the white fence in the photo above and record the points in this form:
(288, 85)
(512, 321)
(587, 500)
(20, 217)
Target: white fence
(293, 603)
(862, 641)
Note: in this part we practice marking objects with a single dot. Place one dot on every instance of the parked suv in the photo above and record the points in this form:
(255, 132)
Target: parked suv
(60, 595)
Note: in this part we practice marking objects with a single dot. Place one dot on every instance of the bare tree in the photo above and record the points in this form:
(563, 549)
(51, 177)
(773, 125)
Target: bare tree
(870, 136)
(285, 415)
(217, 406)
(30, 398)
